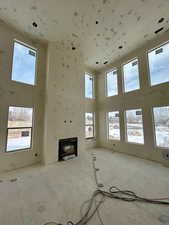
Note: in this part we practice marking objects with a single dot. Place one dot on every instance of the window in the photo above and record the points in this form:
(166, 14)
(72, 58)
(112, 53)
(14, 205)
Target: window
(131, 76)
(113, 126)
(134, 126)
(88, 86)
(112, 88)
(89, 125)
(161, 125)
(19, 131)
(158, 65)
(24, 64)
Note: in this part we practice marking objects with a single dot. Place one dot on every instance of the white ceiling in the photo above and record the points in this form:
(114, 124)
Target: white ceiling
(129, 23)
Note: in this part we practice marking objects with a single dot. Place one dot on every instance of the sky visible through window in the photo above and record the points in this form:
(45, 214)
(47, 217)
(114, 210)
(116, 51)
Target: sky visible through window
(131, 76)
(112, 88)
(24, 64)
(158, 64)
(161, 123)
(88, 86)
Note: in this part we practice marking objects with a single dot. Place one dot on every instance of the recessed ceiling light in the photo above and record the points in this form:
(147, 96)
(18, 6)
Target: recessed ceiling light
(105, 62)
(159, 30)
(35, 24)
(161, 20)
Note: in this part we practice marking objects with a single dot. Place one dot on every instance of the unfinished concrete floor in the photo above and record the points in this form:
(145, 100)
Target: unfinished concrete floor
(37, 195)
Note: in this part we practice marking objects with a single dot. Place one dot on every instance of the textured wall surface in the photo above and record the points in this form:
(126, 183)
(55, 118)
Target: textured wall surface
(64, 104)
(17, 94)
(145, 98)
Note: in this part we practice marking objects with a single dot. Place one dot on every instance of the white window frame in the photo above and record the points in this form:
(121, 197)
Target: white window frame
(122, 71)
(154, 130)
(148, 64)
(32, 129)
(93, 86)
(107, 122)
(93, 125)
(125, 125)
(106, 89)
(36, 65)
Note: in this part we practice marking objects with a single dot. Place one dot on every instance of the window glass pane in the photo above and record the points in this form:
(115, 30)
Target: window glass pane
(158, 65)
(20, 117)
(88, 118)
(114, 125)
(131, 76)
(24, 64)
(89, 131)
(18, 139)
(161, 122)
(134, 126)
(88, 86)
(112, 88)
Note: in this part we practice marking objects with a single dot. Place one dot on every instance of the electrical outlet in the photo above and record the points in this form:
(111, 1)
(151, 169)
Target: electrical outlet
(166, 155)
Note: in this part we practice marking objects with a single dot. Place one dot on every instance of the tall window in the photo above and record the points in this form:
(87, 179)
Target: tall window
(89, 93)
(19, 135)
(131, 76)
(113, 126)
(24, 64)
(134, 126)
(111, 79)
(161, 126)
(89, 125)
(158, 65)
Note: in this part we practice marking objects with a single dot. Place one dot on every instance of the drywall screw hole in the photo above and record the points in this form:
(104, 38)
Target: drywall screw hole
(35, 24)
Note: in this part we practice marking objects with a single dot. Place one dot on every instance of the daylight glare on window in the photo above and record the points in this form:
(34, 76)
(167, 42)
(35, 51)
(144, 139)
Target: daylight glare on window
(88, 86)
(112, 88)
(24, 64)
(161, 125)
(89, 125)
(131, 76)
(19, 128)
(134, 126)
(113, 126)
(158, 65)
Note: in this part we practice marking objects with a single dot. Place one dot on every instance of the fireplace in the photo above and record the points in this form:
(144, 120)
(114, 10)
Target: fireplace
(67, 148)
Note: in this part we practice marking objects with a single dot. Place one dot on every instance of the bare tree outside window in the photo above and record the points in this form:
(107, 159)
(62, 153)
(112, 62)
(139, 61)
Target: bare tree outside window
(19, 128)
(134, 126)
(113, 126)
(89, 125)
(161, 125)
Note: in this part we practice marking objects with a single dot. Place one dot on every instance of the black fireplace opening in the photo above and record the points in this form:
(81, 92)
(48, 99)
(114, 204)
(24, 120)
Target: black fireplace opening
(68, 148)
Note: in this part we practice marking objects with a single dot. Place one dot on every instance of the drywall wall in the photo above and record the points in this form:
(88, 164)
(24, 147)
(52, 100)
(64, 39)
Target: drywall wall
(144, 98)
(65, 102)
(18, 94)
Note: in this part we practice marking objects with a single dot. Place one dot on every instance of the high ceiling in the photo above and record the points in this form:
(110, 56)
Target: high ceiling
(98, 27)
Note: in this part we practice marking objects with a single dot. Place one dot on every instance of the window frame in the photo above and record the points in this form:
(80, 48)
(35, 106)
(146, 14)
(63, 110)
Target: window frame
(106, 89)
(36, 64)
(148, 65)
(32, 130)
(107, 122)
(93, 125)
(125, 125)
(93, 86)
(122, 72)
(154, 130)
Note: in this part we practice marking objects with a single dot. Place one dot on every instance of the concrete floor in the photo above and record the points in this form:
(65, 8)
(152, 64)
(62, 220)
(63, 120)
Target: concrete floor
(37, 195)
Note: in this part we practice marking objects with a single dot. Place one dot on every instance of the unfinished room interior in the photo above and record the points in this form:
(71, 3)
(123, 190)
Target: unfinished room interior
(84, 112)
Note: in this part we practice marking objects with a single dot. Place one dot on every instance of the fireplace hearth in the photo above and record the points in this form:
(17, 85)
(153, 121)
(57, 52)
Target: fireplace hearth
(68, 148)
